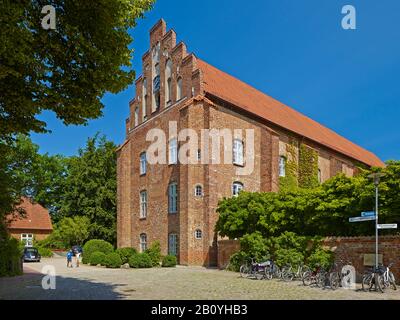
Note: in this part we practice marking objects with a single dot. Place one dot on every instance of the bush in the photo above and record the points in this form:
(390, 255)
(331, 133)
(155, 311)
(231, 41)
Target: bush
(237, 259)
(45, 252)
(125, 254)
(95, 245)
(97, 258)
(255, 246)
(10, 257)
(288, 256)
(321, 257)
(154, 253)
(140, 260)
(112, 260)
(169, 261)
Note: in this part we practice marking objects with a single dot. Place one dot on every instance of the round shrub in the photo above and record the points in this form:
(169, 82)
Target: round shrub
(236, 260)
(321, 257)
(140, 260)
(169, 261)
(93, 246)
(154, 253)
(288, 256)
(112, 260)
(97, 258)
(125, 254)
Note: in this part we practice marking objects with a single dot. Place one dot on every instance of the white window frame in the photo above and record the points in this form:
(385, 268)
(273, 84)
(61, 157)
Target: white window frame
(143, 163)
(198, 234)
(173, 198)
(173, 244)
(173, 151)
(237, 186)
(27, 238)
(237, 152)
(143, 242)
(143, 204)
(196, 189)
(282, 166)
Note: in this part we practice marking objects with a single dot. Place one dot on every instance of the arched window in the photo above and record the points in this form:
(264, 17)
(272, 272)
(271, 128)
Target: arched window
(173, 244)
(168, 82)
(198, 190)
(143, 204)
(238, 152)
(143, 163)
(236, 188)
(282, 166)
(173, 151)
(143, 242)
(198, 234)
(136, 116)
(179, 89)
(144, 99)
(156, 88)
(173, 198)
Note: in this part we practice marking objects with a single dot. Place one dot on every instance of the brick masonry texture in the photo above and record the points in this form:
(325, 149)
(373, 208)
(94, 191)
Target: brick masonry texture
(196, 110)
(348, 249)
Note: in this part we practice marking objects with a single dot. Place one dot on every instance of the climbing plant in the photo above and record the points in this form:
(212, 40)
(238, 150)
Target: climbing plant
(308, 167)
(290, 180)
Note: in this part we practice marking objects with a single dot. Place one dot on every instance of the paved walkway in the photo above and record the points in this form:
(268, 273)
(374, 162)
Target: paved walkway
(193, 283)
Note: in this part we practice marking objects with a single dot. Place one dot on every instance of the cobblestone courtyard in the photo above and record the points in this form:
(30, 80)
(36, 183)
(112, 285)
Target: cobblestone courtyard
(193, 283)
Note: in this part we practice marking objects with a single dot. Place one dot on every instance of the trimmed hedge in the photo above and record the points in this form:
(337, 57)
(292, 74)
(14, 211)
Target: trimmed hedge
(10, 257)
(112, 260)
(97, 258)
(140, 260)
(95, 245)
(125, 254)
(169, 261)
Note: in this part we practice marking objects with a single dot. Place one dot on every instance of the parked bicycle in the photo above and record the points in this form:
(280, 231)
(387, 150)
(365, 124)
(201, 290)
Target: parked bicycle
(316, 276)
(383, 277)
(336, 274)
(295, 273)
(254, 269)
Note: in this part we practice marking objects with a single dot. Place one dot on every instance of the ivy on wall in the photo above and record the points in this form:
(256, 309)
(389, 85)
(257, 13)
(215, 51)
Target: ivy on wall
(290, 180)
(308, 167)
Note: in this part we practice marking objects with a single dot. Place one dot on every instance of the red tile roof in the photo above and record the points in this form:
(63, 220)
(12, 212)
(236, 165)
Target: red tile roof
(36, 217)
(242, 95)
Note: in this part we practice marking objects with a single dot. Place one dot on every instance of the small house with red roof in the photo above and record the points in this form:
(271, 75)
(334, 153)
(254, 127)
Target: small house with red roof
(33, 223)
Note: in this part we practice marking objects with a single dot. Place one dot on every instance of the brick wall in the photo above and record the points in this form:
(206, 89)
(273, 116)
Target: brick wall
(347, 248)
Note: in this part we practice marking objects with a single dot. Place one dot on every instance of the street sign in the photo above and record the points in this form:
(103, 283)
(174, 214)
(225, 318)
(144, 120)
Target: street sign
(359, 219)
(368, 214)
(387, 226)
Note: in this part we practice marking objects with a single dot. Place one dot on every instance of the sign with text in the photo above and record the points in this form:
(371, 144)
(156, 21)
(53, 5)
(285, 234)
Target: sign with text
(360, 219)
(368, 214)
(387, 226)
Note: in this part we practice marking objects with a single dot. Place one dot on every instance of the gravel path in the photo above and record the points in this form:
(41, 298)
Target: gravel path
(193, 283)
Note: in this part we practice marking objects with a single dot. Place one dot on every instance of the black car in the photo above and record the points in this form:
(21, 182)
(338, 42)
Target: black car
(31, 255)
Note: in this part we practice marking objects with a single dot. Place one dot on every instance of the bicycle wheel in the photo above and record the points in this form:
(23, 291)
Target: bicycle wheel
(367, 282)
(288, 276)
(392, 280)
(334, 280)
(321, 279)
(381, 283)
(277, 273)
(307, 278)
(268, 273)
(244, 271)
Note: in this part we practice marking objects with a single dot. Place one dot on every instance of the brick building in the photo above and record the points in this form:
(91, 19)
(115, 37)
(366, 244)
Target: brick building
(176, 203)
(33, 224)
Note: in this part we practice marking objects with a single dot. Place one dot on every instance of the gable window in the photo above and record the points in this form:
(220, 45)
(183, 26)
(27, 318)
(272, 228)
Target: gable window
(143, 163)
(236, 188)
(156, 88)
(143, 242)
(143, 204)
(238, 152)
(198, 190)
(168, 82)
(198, 234)
(136, 116)
(179, 89)
(27, 239)
(173, 198)
(282, 166)
(173, 244)
(173, 151)
(144, 99)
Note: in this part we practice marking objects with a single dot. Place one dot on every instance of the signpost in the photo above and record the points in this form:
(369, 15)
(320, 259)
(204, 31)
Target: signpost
(387, 226)
(368, 214)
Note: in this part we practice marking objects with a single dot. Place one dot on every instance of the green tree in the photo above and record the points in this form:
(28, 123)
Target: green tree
(67, 70)
(71, 231)
(90, 188)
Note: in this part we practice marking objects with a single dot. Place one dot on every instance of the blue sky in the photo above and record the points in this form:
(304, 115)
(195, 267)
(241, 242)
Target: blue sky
(295, 51)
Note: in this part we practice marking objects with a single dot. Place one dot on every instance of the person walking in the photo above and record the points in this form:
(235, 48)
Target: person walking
(69, 259)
